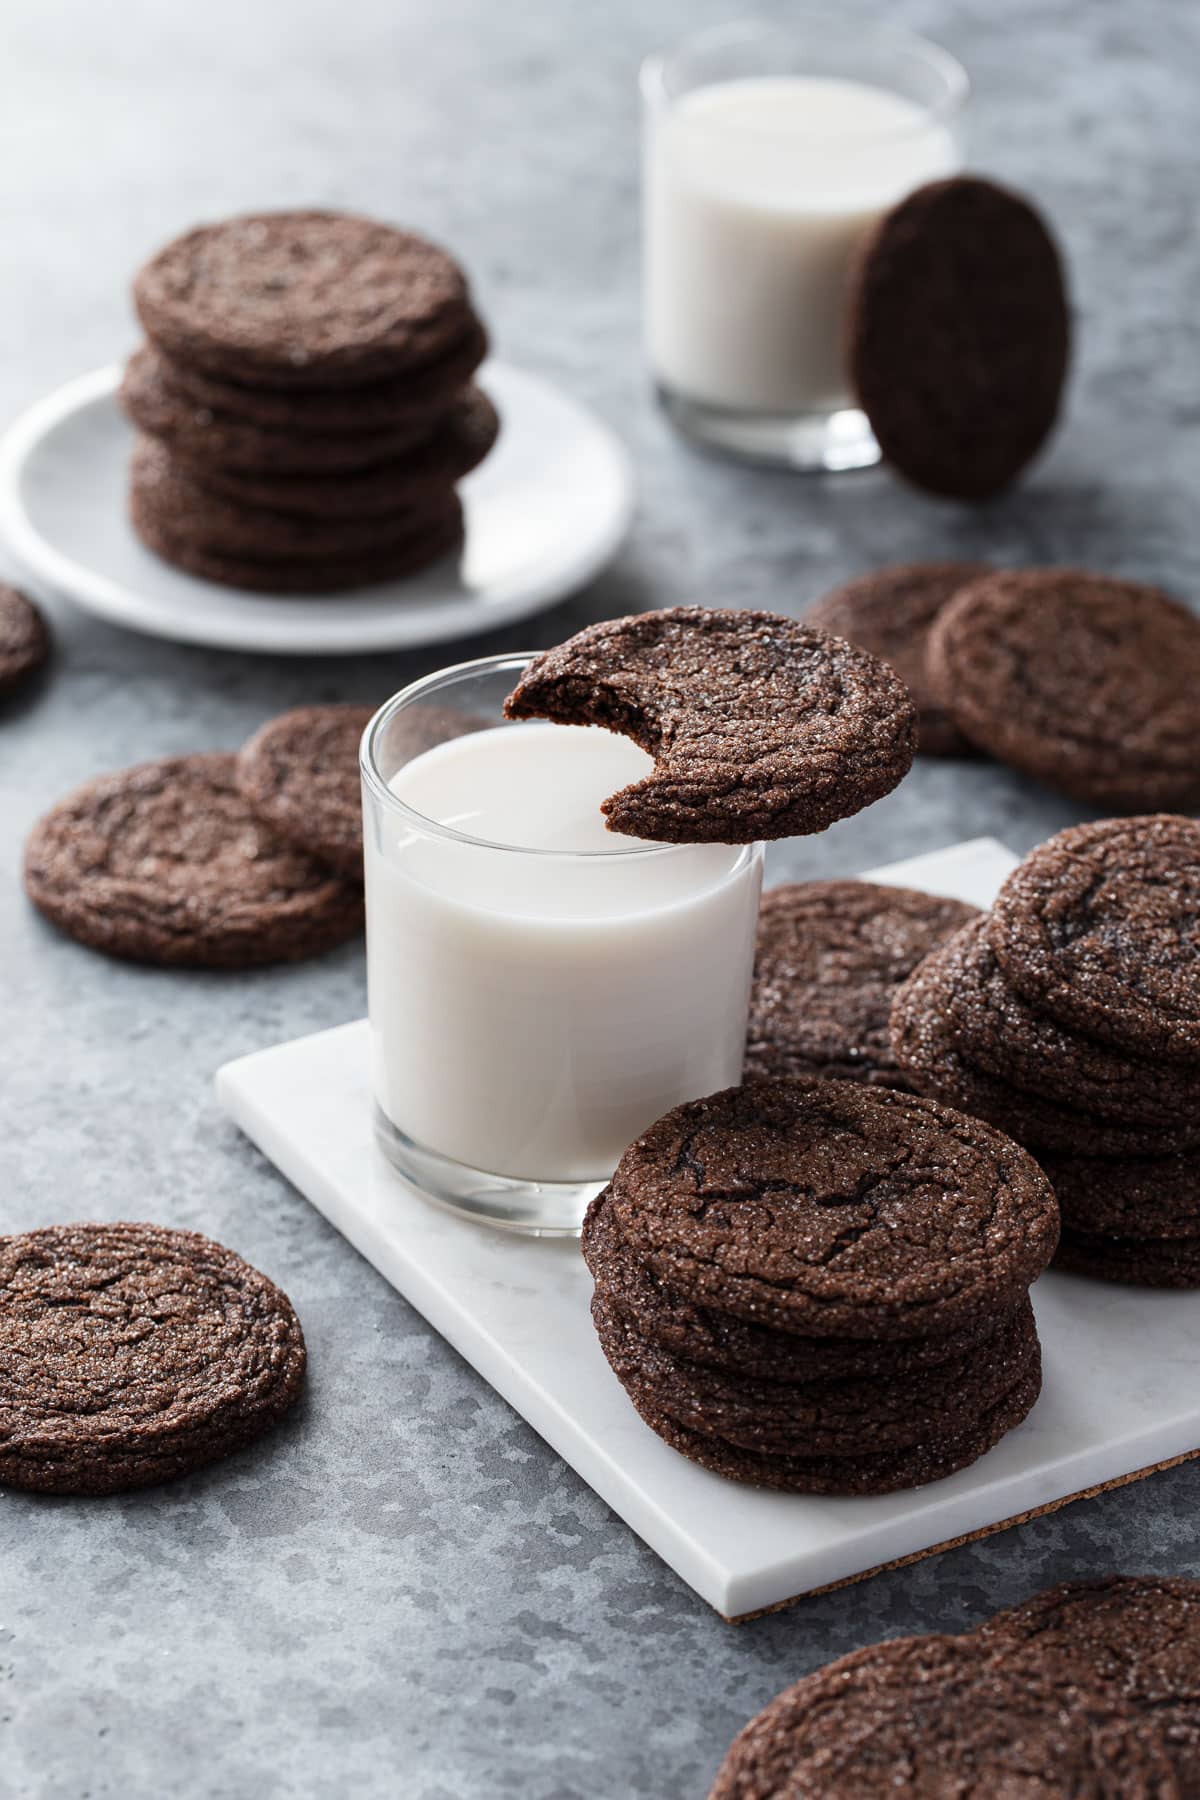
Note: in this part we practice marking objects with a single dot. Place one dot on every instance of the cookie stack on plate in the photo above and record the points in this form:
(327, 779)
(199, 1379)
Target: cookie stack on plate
(304, 402)
(1070, 1018)
(821, 1286)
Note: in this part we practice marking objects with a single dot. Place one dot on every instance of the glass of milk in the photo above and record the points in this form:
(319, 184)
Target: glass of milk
(540, 988)
(768, 154)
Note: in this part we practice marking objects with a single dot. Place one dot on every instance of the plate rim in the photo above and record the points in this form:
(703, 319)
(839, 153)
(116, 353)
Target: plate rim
(99, 594)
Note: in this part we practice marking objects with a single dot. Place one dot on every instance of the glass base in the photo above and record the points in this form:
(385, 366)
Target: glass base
(831, 441)
(536, 1208)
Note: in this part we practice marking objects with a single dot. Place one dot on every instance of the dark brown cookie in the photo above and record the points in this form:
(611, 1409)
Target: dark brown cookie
(379, 406)
(1100, 927)
(166, 863)
(958, 335)
(701, 1335)
(1145, 1197)
(302, 300)
(997, 1031)
(394, 489)
(1133, 1261)
(885, 1472)
(859, 1416)
(439, 534)
(24, 639)
(943, 1718)
(1138, 1635)
(131, 1354)
(835, 1210)
(929, 1053)
(829, 958)
(1084, 682)
(890, 612)
(760, 727)
(213, 441)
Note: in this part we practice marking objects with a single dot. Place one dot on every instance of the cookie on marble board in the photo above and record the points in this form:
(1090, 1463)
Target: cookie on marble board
(1132, 1261)
(835, 1210)
(166, 863)
(760, 726)
(958, 335)
(131, 1354)
(1083, 682)
(305, 299)
(24, 639)
(1140, 1197)
(890, 613)
(828, 960)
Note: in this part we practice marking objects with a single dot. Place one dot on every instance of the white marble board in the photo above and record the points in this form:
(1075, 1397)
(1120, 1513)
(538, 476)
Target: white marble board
(1120, 1394)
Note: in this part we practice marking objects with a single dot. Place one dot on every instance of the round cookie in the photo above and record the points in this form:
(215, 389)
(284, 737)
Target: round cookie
(404, 486)
(858, 1416)
(216, 441)
(24, 639)
(699, 1335)
(437, 534)
(884, 1472)
(943, 1716)
(829, 957)
(1100, 927)
(166, 863)
(305, 299)
(889, 613)
(1133, 1261)
(131, 1354)
(1079, 680)
(1148, 1197)
(760, 726)
(1136, 1634)
(958, 335)
(835, 1210)
(998, 1032)
(380, 406)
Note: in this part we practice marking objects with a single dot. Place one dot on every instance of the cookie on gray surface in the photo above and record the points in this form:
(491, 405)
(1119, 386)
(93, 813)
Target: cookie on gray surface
(1157, 1262)
(24, 639)
(166, 863)
(1142, 1197)
(890, 613)
(760, 726)
(829, 958)
(131, 1354)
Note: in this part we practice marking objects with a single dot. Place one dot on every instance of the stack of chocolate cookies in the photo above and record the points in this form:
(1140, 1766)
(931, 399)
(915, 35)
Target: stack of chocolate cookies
(821, 1286)
(1070, 1018)
(304, 402)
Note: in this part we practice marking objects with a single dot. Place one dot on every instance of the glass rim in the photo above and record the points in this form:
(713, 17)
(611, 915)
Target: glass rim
(373, 779)
(957, 83)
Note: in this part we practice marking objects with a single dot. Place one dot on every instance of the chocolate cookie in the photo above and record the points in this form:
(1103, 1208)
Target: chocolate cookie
(131, 1354)
(860, 1415)
(1083, 682)
(302, 300)
(700, 1335)
(835, 1210)
(380, 406)
(1138, 1635)
(399, 488)
(890, 613)
(24, 639)
(166, 863)
(219, 442)
(1147, 1197)
(1100, 927)
(760, 727)
(829, 958)
(958, 335)
(1134, 1261)
(943, 1717)
(931, 1057)
(438, 534)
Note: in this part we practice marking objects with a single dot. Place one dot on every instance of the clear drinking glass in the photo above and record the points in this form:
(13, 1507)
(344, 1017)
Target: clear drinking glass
(768, 153)
(534, 1005)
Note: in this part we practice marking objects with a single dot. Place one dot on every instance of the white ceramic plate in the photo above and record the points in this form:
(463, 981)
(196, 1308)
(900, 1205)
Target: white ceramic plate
(544, 513)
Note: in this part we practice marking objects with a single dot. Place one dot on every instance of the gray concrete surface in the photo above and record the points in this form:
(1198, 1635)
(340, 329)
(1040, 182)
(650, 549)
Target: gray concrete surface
(405, 1593)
